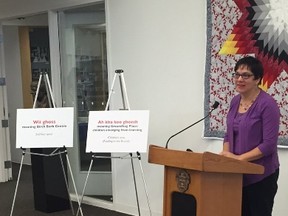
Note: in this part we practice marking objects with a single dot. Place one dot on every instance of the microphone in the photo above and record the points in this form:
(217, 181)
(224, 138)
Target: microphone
(214, 106)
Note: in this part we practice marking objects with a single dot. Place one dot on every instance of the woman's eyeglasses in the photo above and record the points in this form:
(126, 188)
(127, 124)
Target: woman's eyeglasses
(245, 75)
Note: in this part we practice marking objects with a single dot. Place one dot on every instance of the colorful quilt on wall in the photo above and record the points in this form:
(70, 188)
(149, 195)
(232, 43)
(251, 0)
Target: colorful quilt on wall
(245, 27)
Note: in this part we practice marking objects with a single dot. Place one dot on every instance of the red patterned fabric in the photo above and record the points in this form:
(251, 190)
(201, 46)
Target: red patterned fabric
(237, 28)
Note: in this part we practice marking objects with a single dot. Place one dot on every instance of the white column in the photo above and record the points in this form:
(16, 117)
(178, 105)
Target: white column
(5, 151)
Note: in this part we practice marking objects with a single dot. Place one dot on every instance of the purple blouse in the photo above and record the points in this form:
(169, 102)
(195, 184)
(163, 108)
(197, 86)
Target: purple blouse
(258, 127)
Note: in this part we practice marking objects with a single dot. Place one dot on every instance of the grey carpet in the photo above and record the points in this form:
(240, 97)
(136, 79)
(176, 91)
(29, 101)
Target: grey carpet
(24, 205)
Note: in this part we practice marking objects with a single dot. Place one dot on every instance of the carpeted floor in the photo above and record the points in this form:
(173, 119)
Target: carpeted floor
(24, 205)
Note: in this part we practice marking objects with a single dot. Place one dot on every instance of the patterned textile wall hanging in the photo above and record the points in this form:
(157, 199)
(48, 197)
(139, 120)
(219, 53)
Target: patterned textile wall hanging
(236, 28)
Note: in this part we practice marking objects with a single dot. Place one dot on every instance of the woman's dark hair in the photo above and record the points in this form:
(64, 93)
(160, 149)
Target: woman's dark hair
(253, 64)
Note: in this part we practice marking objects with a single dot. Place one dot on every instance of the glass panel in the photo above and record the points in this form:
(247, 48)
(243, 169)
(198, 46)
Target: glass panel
(91, 69)
(39, 46)
(92, 84)
(85, 87)
(84, 83)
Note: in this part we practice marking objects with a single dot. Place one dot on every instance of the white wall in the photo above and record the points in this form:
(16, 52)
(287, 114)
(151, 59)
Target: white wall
(280, 207)
(162, 52)
(160, 45)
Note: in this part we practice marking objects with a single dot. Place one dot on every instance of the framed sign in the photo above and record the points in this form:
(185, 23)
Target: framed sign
(44, 127)
(117, 131)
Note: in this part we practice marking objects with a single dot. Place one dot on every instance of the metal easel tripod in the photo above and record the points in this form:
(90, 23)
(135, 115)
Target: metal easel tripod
(57, 152)
(126, 106)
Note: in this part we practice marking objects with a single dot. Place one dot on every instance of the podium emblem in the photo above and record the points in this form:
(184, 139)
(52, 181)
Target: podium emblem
(183, 180)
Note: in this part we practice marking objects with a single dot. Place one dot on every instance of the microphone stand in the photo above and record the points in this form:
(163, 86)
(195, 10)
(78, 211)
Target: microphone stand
(166, 146)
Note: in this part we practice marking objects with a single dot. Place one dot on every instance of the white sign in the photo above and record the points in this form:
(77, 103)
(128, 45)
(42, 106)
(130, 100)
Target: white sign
(44, 127)
(117, 131)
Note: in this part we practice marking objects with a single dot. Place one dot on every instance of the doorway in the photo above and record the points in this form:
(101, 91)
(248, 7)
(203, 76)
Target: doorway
(17, 60)
(84, 85)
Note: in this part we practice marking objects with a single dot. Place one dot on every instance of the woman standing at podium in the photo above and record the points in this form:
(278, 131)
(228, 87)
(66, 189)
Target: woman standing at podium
(252, 133)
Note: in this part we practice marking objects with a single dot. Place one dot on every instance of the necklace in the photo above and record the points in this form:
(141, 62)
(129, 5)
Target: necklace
(247, 105)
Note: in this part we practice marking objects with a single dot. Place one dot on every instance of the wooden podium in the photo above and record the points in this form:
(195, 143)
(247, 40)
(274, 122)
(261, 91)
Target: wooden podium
(201, 184)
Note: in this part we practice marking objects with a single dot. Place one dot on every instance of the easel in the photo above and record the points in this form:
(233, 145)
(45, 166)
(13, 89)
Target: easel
(56, 152)
(130, 155)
